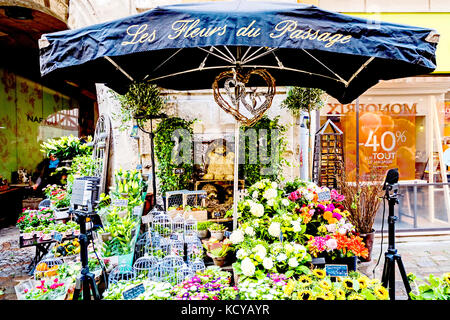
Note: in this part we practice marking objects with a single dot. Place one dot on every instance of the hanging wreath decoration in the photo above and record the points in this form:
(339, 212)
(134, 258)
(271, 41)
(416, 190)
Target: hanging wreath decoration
(235, 88)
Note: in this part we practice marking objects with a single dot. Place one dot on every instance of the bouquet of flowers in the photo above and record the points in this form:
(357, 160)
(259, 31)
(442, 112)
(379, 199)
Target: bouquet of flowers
(212, 284)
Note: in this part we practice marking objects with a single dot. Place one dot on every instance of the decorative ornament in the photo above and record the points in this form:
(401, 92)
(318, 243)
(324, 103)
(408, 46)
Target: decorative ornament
(235, 88)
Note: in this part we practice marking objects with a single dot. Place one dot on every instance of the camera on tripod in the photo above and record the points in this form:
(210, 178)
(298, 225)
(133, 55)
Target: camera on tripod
(391, 184)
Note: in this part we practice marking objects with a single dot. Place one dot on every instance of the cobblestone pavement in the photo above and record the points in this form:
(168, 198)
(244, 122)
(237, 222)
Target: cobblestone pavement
(420, 255)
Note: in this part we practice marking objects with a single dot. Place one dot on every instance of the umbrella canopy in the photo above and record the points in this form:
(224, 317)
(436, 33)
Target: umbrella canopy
(185, 46)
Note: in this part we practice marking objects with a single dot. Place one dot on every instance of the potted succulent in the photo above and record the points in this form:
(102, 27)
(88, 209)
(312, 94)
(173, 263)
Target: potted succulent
(202, 228)
(217, 230)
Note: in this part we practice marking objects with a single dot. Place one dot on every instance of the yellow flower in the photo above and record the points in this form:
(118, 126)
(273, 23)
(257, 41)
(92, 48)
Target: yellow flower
(446, 277)
(305, 295)
(348, 284)
(374, 282)
(330, 295)
(321, 297)
(381, 292)
(340, 294)
(324, 284)
(355, 296)
(363, 282)
(304, 280)
(319, 273)
(289, 287)
(322, 229)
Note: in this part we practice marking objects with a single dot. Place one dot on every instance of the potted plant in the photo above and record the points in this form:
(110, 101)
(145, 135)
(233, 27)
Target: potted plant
(28, 233)
(219, 253)
(362, 200)
(202, 228)
(46, 234)
(217, 230)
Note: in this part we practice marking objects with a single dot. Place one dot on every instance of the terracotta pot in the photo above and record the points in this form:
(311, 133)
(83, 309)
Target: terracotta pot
(368, 240)
(219, 261)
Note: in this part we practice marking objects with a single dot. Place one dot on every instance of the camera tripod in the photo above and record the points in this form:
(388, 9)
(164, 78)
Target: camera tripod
(86, 280)
(391, 255)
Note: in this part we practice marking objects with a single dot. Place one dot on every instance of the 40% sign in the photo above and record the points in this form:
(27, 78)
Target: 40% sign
(387, 145)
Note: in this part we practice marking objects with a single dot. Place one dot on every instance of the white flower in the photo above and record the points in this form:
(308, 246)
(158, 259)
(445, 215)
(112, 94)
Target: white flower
(331, 228)
(241, 254)
(260, 251)
(237, 236)
(247, 267)
(296, 225)
(281, 257)
(293, 263)
(260, 185)
(257, 209)
(274, 184)
(255, 194)
(270, 202)
(285, 202)
(275, 229)
(309, 196)
(270, 194)
(342, 231)
(267, 263)
(249, 231)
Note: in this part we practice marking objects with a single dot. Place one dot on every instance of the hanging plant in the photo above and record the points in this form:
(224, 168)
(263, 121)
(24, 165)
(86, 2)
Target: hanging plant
(165, 149)
(303, 99)
(253, 169)
(142, 101)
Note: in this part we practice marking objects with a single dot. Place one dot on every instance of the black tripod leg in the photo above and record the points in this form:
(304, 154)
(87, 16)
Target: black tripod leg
(385, 275)
(388, 279)
(401, 267)
(94, 289)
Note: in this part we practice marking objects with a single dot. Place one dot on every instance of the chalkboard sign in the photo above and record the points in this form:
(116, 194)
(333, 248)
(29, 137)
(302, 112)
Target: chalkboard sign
(120, 203)
(139, 167)
(324, 195)
(336, 270)
(227, 234)
(134, 292)
(57, 236)
(178, 171)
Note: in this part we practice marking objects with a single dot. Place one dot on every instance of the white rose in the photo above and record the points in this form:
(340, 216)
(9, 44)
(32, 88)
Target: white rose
(255, 194)
(250, 231)
(275, 229)
(257, 209)
(293, 263)
(285, 202)
(270, 194)
(247, 267)
(270, 202)
(267, 263)
(237, 236)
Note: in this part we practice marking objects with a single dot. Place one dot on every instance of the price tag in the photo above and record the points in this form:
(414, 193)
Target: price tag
(336, 270)
(178, 171)
(120, 203)
(137, 211)
(139, 167)
(227, 234)
(217, 214)
(57, 236)
(134, 292)
(324, 195)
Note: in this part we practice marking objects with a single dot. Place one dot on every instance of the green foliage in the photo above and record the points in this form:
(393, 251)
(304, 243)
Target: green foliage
(436, 288)
(217, 227)
(66, 147)
(291, 186)
(303, 99)
(203, 225)
(254, 172)
(122, 232)
(142, 101)
(164, 147)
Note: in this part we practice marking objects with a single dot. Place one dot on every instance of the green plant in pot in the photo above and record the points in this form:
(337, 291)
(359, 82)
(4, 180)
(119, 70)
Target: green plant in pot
(202, 228)
(362, 200)
(219, 253)
(217, 230)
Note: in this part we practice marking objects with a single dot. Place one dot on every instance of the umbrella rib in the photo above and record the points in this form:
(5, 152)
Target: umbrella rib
(173, 55)
(118, 67)
(227, 59)
(295, 70)
(359, 70)
(187, 71)
(261, 55)
(340, 78)
(245, 54)
(232, 57)
(251, 55)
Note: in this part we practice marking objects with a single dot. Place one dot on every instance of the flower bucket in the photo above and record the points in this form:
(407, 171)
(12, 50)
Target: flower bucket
(219, 261)
(368, 241)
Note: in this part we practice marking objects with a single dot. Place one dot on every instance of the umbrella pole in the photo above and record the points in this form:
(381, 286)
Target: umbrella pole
(236, 171)
(357, 143)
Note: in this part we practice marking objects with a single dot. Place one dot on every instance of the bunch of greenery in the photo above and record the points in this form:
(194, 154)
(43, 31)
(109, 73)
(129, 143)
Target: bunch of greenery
(303, 99)
(167, 154)
(253, 169)
(142, 101)
(436, 288)
(66, 147)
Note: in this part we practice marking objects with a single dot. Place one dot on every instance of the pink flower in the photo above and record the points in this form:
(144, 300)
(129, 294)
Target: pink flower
(331, 244)
(336, 196)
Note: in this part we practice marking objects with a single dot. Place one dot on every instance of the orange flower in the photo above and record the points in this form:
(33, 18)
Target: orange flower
(328, 215)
